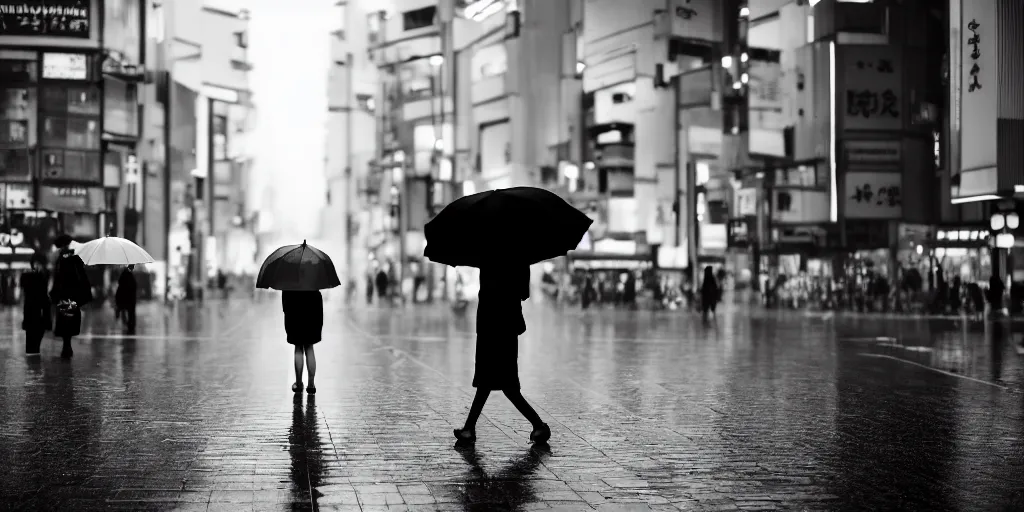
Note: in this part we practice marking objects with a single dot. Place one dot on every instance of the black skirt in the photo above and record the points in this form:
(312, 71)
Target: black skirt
(497, 362)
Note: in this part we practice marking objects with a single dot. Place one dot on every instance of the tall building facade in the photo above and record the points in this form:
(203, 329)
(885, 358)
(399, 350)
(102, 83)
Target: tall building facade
(465, 96)
(70, 76)
(198, 109)
(349, 220)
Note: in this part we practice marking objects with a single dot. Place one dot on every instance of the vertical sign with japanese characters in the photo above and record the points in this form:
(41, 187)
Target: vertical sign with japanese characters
(978, 97)
(871, 87)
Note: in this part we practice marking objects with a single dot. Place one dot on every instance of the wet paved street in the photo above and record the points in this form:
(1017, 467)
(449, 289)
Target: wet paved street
(649, 411)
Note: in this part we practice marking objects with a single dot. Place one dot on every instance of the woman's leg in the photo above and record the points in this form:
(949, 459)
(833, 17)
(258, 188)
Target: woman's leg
(310, 363)
(478, 406)
(66, 351)
(299, 358)
(518, 400)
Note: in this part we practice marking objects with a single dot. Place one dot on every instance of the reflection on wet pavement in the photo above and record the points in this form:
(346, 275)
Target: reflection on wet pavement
(655, 411)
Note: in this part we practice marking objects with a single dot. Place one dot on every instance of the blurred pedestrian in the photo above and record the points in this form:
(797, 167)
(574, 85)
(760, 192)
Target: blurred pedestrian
(369, 288)
(710, 293)
(629, 291)
(222, 283)
(996, 289)
(589, 293)
(382, 285)
(37, 319)
(126, 298)
(499, 322)
(71, 291)
(303, 322)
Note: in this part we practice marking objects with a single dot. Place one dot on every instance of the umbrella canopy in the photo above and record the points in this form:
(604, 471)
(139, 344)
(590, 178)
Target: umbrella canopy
(298, 268)
(111, 250)
(512, 225)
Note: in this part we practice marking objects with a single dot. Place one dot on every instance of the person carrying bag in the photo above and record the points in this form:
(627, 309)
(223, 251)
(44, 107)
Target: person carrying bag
(71, 290)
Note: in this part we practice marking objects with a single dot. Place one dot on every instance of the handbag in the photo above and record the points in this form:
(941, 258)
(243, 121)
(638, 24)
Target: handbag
(67, 308)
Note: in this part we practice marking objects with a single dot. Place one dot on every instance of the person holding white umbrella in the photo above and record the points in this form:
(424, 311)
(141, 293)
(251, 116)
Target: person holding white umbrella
(111, 250)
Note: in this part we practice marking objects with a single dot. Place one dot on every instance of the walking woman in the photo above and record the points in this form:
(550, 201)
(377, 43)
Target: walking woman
(710, 292)
(71, 290)
(37, 319)
(304, 322)
(499, 322)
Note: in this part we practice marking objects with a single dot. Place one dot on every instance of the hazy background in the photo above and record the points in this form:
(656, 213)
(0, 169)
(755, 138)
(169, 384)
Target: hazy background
(289, 49)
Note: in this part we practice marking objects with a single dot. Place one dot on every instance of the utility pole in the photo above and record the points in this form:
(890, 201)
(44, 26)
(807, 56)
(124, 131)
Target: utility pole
(349, 196)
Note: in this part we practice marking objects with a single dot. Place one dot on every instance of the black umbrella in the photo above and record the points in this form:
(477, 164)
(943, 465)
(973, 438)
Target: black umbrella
(512, 225)
(298, 268)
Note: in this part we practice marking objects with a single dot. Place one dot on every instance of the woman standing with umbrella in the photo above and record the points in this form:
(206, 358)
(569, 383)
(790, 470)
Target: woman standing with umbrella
(511, 229)
(71, 290)
(300, 272)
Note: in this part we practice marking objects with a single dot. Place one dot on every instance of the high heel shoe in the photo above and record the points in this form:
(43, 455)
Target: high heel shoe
(297, 387)
(465, 435)
(542, 434)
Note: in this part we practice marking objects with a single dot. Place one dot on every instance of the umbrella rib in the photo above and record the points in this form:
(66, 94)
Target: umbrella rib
(125, 255)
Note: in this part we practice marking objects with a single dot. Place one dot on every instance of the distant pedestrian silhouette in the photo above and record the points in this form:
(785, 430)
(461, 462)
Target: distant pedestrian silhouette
(499, 322)
(710, 292)
(126, 298)
(382, 285)
(303, 321)
(37, 318)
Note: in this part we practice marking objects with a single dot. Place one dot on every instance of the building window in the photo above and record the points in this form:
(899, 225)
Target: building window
(366, 102)
(419, 18)
(18, 71)
(70, 116)
(19, 106)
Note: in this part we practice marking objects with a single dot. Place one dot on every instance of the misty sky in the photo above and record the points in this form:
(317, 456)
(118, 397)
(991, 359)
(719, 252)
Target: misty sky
(289, 44)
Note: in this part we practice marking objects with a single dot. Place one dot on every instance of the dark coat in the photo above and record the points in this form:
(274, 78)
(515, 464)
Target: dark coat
(303, 316)
(501, 292)
(37, 315)
(499, 322)
(70, 283)
(710, 293)
(127, 290)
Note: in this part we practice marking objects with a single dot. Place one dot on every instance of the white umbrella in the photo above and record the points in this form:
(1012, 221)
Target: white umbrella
(111, 250)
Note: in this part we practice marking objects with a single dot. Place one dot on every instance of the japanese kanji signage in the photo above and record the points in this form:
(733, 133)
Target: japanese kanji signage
(870, 89)
(874, 195)
(978, 98)
(66, 18)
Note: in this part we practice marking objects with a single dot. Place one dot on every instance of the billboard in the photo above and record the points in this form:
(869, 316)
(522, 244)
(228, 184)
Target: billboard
(50, 23)
(873, 195)
(975, 117)
(870, 96)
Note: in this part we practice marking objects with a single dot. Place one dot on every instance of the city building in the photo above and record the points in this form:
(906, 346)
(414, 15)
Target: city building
(464, 97)
(198, 109)
(69, 86)
(351, 224)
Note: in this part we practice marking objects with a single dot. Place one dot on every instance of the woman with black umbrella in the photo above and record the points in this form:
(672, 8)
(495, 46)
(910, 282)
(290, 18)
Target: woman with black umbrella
(499, 322)
(509, 229)
(71, 290)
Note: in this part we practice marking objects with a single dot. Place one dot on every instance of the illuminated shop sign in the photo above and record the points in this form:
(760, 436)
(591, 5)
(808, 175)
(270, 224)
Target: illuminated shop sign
(962, 235)
(65, 18)
(65, 66)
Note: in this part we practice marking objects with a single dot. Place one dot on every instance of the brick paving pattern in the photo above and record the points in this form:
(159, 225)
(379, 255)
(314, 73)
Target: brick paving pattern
(649, 411)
